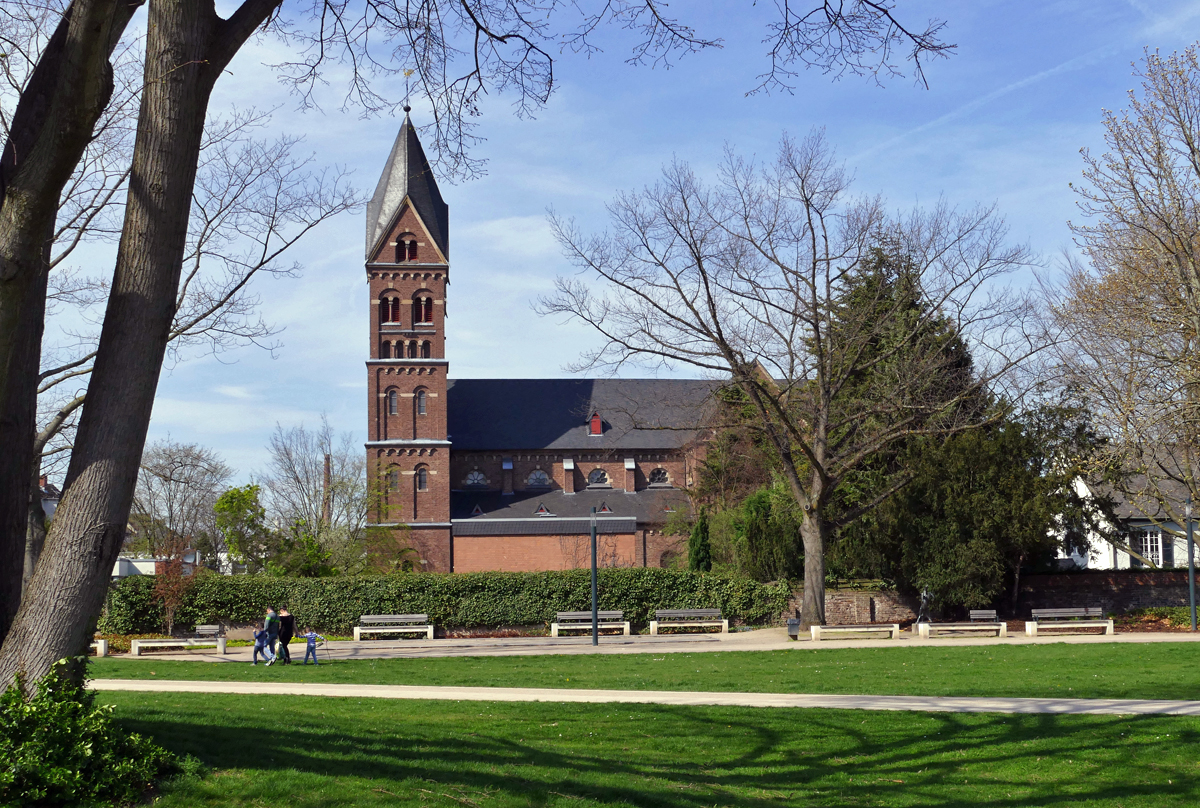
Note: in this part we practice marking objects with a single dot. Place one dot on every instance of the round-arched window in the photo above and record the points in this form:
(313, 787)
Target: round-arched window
(393, 403)
(658, 477)
(421, 405)
(422, 479)
(598, 477)
(393, 479)
(476, 478)
(538, 479)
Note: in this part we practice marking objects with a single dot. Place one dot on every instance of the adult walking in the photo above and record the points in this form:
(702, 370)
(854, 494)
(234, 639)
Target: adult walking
(287, 630)
(271, 626)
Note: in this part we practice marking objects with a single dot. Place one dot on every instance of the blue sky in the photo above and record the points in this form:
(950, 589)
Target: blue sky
(1002, 121)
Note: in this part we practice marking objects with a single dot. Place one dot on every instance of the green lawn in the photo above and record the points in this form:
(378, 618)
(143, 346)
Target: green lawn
(1143, 670)
(311, 752)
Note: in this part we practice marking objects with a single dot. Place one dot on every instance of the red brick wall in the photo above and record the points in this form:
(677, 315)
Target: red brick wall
(524, 462)
(1116, 591)
(539, 553)
(433, 546)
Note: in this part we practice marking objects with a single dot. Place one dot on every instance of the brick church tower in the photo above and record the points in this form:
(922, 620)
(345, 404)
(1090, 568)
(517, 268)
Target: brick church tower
(407, 262)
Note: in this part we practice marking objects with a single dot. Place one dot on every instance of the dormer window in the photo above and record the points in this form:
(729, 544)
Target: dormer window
(596, 426)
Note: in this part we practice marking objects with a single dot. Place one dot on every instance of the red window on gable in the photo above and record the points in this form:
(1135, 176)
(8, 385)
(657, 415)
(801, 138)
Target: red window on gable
(412, 250)
(428, 314)
(597, 426)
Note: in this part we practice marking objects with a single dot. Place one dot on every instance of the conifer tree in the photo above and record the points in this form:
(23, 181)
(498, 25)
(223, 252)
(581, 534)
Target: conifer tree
(699, 548)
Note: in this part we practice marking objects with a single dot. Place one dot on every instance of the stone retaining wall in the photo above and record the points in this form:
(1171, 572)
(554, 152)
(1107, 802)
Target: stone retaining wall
(844, 607)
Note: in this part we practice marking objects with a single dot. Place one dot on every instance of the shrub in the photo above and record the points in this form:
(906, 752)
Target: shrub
(458, 600)
(59, 748)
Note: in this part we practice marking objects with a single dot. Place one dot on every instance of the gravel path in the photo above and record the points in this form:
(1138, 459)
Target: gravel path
(915, 703)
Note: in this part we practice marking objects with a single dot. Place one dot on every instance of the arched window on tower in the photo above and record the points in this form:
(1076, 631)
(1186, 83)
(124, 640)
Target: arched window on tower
(392, 480)
(426, 349)
(399, 350)
(395, 309)
(422, 478)
(428, 310)
(421, 402)
(412, 250)
(385, 309)
(393, 402)
(385, 350)
(412, 349)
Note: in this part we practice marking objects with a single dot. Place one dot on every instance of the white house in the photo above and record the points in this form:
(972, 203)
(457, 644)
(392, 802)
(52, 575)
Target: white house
(1145, 527)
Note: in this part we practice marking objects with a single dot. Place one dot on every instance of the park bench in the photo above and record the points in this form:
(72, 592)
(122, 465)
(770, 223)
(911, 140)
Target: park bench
(980, 620)
(393, 624)
(100, 647)
(893, 629)
(1090, 617)
(570, 621)
(206, 635)
(688, 618)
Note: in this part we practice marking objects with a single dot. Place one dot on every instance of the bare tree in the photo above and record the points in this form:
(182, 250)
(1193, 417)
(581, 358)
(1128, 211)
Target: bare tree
(1133, 308)
(319, 479)
(177, 486)
(746, 281)
(187, 47)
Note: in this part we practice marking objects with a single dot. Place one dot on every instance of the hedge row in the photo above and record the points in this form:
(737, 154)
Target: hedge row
(460, 600)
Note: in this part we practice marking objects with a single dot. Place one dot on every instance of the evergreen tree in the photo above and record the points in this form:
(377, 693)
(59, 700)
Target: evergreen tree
(699, 548)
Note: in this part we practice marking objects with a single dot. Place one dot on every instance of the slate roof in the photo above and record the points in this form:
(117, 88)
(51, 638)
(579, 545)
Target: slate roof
(526, 414)
(648, 506)
(1140, 500)
(407, 175)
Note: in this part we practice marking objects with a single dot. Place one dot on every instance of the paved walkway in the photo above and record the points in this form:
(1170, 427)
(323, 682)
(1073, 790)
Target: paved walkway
(521, 694)
(769, 639)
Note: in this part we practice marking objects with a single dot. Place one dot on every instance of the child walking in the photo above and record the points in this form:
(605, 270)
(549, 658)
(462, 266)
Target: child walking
(311, 649)
(261, 640)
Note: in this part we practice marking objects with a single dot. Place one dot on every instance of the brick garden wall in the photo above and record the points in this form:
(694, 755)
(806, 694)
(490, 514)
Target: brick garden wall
(844, 608)
(1118, 591)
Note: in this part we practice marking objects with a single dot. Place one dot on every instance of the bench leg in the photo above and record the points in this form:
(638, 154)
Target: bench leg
(220, 645)
(135, 648)
(895, 632)
(101, 648)
(429, 633)
(554, 629)
(653, 628)
(626, 628)
(815, 631)
(357, 634)
(724, 626)
(923, 631)
(1109, 628)
(1030, 628)
(1003, 630)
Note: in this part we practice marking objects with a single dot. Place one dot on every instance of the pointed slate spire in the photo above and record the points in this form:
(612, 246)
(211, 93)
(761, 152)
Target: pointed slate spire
(407, 175)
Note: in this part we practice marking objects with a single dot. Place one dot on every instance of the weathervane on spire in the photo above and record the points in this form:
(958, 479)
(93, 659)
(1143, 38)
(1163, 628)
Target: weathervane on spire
(407, 108)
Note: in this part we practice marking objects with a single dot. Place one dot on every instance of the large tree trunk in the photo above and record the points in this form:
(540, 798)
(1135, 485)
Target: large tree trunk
(187, 47)
(814, 531)
(66, 94)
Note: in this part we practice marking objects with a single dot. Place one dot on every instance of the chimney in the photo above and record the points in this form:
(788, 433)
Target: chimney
(507, 465)
(327, 494)
(42, 482)
(630, 475)
(568, 475)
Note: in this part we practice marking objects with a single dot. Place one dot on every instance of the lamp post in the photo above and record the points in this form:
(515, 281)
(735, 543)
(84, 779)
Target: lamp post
(1191, 562)
(595, 606)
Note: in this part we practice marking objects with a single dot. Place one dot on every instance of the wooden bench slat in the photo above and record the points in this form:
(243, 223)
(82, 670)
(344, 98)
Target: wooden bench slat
(688, 618)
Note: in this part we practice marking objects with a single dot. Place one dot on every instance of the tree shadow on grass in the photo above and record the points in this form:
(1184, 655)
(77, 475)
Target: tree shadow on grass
(688, 756)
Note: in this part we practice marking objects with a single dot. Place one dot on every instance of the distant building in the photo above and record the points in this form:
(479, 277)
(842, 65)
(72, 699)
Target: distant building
(503, 474)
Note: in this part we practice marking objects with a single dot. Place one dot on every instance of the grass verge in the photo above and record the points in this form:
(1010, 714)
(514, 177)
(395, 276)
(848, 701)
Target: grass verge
(1141, 670)
(318, 752)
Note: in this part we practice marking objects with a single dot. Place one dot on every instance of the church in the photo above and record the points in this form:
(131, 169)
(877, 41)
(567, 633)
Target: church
(503, 474)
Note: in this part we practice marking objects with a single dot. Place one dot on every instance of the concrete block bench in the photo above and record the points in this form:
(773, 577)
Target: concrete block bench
(393, 624)
(136, 646)
(820, 632)
(577, 621)
(100, 647)
(981, 620)
(688, 618)
(1090, 617)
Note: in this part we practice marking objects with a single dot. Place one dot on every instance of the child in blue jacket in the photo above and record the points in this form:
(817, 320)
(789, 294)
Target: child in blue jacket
(311, 638)
(261, 640)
